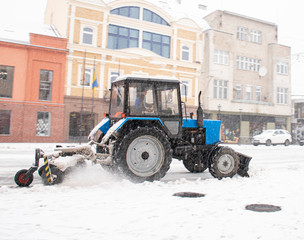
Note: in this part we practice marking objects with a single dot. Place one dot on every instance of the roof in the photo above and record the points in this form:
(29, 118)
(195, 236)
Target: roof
(19, 33)
(147, 78)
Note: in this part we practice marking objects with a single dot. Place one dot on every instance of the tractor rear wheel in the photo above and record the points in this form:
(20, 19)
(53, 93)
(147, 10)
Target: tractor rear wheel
(193, 164)
(224, 163)
(143, 154)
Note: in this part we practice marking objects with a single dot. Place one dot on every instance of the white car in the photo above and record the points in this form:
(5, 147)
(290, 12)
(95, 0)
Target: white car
(268, 137)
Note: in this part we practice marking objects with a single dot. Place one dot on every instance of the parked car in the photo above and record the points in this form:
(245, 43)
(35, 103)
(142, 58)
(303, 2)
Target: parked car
(269, 137)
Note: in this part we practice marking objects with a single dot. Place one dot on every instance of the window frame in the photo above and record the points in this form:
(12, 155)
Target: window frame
(50, 83)
(220, 89)
(238, 92)
(48, 123)
(242, 33)
(258, 93)
(7, 82)
(129, 14)
(282, 96)
(88, 70)
(221, 57)
(93, 35)
(256, 36)
(248, 94)
(154, 17)
(282, 68)
(185, 51)
(185, 84)
(153, 43)
(118, 37)
(3, 113)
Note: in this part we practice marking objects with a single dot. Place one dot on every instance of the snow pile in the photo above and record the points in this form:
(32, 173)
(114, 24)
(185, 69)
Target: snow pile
(94, 204)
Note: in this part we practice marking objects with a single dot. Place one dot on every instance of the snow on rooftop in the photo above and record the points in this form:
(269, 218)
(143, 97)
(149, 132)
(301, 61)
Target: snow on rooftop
(16, 32)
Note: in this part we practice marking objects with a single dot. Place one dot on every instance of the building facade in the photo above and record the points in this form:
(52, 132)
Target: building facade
(112, 38)
(32, 73)
(235, 60)
(246, 76)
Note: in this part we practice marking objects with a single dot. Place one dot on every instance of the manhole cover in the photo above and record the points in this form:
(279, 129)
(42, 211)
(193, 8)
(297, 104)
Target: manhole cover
(263, 208)
(189, 194)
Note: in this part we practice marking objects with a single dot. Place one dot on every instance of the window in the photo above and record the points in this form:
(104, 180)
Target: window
(159, 44)
(238, 92)
(167, 100)
(256, 36)
(221, 57)
(43, 124)
(184, 88)
(87, 35)
(5, 122)
(282, 95)
(45, 86)
(220, 89)
(129, 11)
(258, 94)
(185, 53)
(122, 37)
(282, 68)
(250, 64)
(153, 17)
(117, 100)
(6, 81)
(242, 33)
(87, 77)
(142, 99)
(113, 76)
(248, 93)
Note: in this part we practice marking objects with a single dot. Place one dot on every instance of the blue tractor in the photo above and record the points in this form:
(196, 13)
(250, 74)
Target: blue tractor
(143, 130)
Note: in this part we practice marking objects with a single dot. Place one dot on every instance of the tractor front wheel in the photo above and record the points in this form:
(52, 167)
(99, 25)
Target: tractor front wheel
(224, 163)
(144, 154)
(21, 180)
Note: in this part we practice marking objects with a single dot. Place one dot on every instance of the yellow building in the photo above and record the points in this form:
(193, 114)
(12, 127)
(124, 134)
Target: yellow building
(112, 38)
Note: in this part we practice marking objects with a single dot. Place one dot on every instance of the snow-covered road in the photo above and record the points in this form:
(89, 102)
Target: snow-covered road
(93, 204)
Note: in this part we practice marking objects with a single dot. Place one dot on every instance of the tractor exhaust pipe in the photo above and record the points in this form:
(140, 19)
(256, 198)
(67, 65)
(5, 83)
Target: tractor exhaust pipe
(200, 112)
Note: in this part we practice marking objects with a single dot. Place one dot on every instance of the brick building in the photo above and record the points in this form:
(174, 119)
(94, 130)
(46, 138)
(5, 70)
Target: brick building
(32, 73)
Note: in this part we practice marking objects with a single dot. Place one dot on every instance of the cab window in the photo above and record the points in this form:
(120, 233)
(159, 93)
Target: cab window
(167, 100)
(117, 98)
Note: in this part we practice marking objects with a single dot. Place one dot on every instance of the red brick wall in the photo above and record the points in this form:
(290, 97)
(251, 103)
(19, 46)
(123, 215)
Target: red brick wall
(24, 119)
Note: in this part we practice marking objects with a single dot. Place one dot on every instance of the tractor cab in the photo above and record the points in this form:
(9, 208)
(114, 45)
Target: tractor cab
(147, 99)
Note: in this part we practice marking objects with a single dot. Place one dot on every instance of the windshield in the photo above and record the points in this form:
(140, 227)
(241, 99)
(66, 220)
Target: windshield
(117, 97)
(267, 132)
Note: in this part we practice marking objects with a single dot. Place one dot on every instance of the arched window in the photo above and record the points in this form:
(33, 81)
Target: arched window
(153, 17)
(87, 35)
(129, 11)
